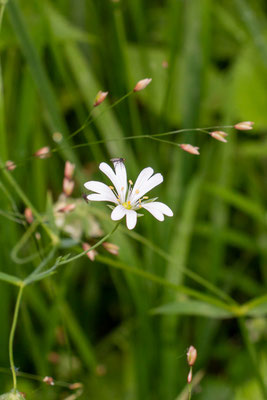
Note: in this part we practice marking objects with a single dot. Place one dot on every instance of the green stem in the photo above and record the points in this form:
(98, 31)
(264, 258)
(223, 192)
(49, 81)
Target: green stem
(11, 337)
(91, 248)
(252, 353)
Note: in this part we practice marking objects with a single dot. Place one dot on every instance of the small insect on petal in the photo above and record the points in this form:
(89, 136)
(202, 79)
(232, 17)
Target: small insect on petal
(142, 84)
(69, 169)
(91, 254)
(244, 126)
(191, 356)
(111, 248)
(49, 380)
(68, 186)
(219, 135)
(10, 165)
(190, 149)
(42, 153)
(100, 97)
(28, 215)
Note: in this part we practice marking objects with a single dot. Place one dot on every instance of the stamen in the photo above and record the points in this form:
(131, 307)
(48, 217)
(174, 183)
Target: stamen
(122, 188)
(128, 202)
(139, 201)
(145, 197)
(140, 206)
(131, 182)
(111, 187)
(137, 191)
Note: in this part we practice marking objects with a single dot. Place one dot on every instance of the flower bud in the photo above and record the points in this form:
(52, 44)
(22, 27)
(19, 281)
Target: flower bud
(142, 84)
(191, 356)
(69, 169)
(91, 254)
(68, 186)
(42, 153)
(67, 208)
(244, 126)
(13, 395)
(219, 135)
(10, 165)
(100, 97)
(76, 385)
(28, 215)
(49, 380)
(189, 377)
(111, 248)
(189, 148)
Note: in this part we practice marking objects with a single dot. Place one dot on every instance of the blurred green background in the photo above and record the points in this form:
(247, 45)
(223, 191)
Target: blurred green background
(92, 323)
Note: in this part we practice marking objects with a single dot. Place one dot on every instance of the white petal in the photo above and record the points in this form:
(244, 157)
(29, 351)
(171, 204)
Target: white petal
(121, 175)
(118, 213)
(131, 219)
(99, 197)
(108, 171)
(101, 189)
(158, 210)
(147, 186)
(142, 178)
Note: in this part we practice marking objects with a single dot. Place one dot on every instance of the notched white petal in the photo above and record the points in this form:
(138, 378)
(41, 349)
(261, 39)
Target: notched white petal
(158, 210)
(118, 213)
(131, 218)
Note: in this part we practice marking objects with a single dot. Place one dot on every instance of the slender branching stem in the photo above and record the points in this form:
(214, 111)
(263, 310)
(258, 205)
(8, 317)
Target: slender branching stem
(12, 334)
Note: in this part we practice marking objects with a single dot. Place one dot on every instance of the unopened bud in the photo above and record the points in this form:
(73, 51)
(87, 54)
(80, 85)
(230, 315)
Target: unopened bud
(189, 148)
(101, 370)
(165, 64)
(191, 356)
(244, 126)
(49, 380)
(57, 137)
(76, 385)
(28, 215)
(42, 153)
(10, 165)
(91, 254)
(67, 208)
(219, 135)
(142, 84)
(69, 169)
(68, 186)
(100, 97)
(189, 377)
(111, 248)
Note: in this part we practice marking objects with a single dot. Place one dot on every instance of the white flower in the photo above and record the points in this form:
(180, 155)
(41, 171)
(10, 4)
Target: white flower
(128, 198)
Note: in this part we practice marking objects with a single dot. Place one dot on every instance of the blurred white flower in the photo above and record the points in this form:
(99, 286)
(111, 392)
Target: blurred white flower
(128, 199)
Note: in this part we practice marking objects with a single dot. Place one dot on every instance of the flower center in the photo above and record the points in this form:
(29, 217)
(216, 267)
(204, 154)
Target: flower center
(127, 205)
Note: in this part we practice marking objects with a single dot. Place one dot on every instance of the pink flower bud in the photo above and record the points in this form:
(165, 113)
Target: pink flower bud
(100, 97)
(10, 165)
(189, 377)
(49, 380)
(191, 356)
(111, 248)
(219, 135)
(67, 208)
(244, 126)
(189, 148)
(142, 84)
(28, 215)
(69, 169)
(42, 153)
(91, 254)
(68, 186)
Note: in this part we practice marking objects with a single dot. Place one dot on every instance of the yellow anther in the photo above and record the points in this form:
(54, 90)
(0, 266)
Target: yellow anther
(122, 188)
(128, 202)
(137, 191)
(145, 197)
(131, 182)
(140, 206)
(111, 187)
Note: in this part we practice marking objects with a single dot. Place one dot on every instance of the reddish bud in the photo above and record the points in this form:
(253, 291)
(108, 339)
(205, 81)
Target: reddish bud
(67, 208)
(10, 165)
(69, 169)
(76, 385)
(189, 377)
(189, 148)
(111, 248)
(219, 135)
(165, 64)
(68, 186)
(142, 84)
(91, 254)
(28, 215)
(42, 153)
(191, 356)
(49, 380)
(100, 97)
(244, 126)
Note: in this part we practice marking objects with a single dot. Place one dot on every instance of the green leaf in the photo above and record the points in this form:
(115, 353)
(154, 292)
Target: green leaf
(193, 307)
(10, 279)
